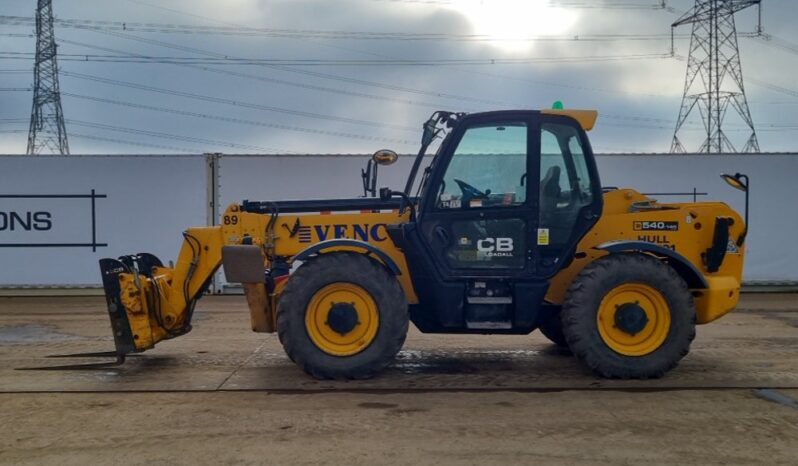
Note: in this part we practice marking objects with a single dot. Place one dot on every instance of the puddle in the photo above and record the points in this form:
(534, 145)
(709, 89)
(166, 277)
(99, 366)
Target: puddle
(461, 361)
(33, 333)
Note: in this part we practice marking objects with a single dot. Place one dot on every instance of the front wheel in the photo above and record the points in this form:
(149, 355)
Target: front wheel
(629, 316)
(342, 315)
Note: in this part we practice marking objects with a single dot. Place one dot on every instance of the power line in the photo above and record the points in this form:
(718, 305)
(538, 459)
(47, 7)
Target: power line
(359, 82)
(660, 5)
(783, 44)
(232, 102)
(356, 81)
(226, 70)
(336, 62)
(774, 87)
(375, 84)
(277, 126)
(299, 71)
(129, 143)
(313, 74)
(193, 50)
(279, 81)
(166, 28)
(634, 119)
(577, 5)
(765, 84)
(158, 134)
(771, 128)
(237, 120)
(339, 134)
(300, 129)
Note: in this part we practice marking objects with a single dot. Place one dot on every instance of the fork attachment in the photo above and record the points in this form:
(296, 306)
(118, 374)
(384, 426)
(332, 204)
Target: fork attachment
(110, 270)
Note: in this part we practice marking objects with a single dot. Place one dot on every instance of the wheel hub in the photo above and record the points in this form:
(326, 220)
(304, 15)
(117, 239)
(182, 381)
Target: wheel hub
(631, 318)
(342, 318)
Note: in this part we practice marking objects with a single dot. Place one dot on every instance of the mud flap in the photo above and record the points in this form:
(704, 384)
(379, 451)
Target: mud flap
(120, 326)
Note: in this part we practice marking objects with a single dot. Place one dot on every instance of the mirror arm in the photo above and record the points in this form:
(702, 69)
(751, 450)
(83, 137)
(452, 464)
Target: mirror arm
(374, 180)
(364, 178)
(369, 183)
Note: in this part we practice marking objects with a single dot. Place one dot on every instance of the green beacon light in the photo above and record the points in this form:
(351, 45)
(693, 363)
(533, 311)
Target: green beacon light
(557, 105)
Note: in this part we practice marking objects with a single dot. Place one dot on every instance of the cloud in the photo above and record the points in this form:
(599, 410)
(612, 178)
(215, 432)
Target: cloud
(358, 109)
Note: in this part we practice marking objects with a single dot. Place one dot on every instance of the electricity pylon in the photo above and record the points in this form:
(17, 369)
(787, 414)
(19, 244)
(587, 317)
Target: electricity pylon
(47, 130)
(714, 80)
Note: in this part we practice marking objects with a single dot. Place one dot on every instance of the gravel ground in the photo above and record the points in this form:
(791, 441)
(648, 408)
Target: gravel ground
(222, 395)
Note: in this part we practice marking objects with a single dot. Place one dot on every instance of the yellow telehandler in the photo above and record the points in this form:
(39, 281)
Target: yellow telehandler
(509, 230)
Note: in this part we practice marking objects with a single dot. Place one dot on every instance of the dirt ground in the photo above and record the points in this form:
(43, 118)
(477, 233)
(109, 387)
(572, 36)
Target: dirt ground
(223, 395)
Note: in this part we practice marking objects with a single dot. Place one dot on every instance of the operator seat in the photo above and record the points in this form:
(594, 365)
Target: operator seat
(550, 192)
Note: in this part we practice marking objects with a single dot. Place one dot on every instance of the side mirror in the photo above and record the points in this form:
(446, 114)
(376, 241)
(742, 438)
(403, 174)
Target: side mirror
(384, 157)
(736, 181)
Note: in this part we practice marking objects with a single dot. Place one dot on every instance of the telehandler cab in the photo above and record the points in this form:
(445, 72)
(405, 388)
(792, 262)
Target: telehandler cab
(509, 231)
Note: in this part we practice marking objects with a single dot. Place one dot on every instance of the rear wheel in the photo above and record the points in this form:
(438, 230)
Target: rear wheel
(629, 316)
(342, 315)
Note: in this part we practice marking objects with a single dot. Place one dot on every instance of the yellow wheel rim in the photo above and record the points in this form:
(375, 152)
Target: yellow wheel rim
(634, 319)
(324, 324)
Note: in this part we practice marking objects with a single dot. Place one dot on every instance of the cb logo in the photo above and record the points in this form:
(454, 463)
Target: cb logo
(495, 245)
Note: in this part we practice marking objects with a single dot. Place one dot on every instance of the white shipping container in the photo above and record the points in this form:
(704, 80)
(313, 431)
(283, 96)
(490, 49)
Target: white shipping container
(59, 215)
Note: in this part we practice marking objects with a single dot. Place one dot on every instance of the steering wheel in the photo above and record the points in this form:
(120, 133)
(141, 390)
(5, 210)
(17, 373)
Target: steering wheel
(469, 192)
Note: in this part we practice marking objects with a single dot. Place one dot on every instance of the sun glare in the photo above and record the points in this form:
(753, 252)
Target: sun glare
(509, 24)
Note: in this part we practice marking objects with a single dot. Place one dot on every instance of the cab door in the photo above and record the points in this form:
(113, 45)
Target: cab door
(478, 214)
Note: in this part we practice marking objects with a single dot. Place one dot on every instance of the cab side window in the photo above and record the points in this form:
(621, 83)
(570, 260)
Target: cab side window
(565, 184)
(488, 168)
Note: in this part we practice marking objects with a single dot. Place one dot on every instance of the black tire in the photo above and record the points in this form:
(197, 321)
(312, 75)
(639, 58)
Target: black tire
(551, 327)
(584, 296)
(346, 267)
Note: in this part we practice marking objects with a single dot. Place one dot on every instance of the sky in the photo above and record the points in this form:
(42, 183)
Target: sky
(196, 103)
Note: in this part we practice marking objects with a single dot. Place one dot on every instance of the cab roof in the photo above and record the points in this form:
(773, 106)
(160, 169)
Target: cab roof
(585, 118)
